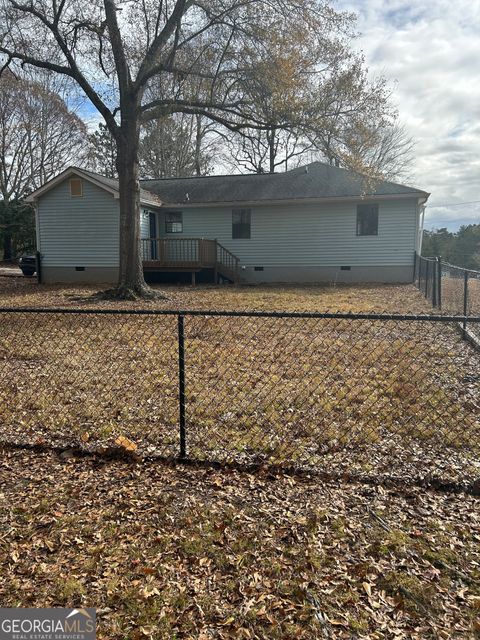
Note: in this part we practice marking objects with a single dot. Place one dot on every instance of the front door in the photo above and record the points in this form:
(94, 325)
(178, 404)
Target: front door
(153, 234)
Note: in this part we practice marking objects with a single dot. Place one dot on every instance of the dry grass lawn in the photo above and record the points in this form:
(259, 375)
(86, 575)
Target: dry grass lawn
(362, 298)
(364, 398)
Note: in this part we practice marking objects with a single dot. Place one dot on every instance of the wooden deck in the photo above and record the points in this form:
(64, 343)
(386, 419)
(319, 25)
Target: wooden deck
(191, 255)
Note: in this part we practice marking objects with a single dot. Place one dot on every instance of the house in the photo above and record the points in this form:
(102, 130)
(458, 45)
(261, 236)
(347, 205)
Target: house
(316, 223)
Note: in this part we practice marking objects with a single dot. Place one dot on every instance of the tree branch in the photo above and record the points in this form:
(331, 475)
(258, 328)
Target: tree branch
(150, 60)
(72, 70)
(117, 45)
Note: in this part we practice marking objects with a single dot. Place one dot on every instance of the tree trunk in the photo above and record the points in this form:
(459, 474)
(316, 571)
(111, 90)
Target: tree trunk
(6, 219)
(7, 246)
(198, 146)
(271, 150)
(131, 283)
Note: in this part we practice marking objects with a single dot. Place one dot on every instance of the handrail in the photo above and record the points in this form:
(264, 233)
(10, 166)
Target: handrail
(227, 258)
(220, 246)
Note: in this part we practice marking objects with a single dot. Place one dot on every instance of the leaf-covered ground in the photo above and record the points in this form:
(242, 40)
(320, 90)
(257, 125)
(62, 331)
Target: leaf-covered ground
(182, 552)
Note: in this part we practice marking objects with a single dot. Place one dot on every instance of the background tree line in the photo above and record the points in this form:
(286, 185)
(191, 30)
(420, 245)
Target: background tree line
(39, 136)
(460, 248)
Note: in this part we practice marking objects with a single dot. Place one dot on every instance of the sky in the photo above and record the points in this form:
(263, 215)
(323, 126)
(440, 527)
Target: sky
(429, 50)
(430, 53)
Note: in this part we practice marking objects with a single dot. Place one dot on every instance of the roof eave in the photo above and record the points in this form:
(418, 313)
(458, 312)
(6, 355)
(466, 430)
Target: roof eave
(151, 203)
(285, 201)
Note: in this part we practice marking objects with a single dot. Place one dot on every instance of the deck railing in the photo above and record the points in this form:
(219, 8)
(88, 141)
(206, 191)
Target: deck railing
(188, 253)
(179, 252)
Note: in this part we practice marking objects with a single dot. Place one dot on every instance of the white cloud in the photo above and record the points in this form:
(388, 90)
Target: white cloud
(430, 52)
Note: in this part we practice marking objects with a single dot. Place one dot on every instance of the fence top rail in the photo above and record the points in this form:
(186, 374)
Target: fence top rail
(454, 266)
(447, 264)
(243, 314)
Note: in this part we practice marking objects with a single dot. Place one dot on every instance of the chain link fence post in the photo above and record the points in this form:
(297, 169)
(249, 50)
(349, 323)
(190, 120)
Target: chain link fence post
(38, 266)
(181, 384)
(465, 303)
(427, 274)
(439, 282)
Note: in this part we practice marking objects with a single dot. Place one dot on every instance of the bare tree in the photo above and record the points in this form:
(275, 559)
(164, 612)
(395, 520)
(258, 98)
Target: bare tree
(114, 50)
(102, 152)
(172, 146)
(39, 137)
(316, 98)
(181, 144)
(265, 151)
(379, 151)
(175, 146)
(207, 145)
(277, 77)
(361, 131)
(386, 151)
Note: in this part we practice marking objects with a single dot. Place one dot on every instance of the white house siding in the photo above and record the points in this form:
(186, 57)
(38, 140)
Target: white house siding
(300, 239)
(78, 232)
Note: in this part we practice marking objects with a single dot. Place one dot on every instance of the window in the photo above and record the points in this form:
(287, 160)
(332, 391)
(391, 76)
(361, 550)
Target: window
(174, 222)
(241, 223)
(76, 190)
(367, 220)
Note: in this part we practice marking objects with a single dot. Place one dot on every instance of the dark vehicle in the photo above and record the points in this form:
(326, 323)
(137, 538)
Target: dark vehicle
(28, 265)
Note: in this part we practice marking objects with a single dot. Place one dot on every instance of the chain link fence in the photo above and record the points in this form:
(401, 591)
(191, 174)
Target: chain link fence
(451, 289)
(361, 395)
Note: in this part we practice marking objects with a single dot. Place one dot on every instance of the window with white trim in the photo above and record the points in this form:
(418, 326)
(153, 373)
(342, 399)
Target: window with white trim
(241, 223)
(174, 222)
(367, 219)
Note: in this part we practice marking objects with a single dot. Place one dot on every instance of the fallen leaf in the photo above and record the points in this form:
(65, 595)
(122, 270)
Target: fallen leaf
(126, 444)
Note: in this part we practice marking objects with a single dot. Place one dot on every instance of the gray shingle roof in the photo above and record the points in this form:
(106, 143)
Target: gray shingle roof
(112, 183)
(316, 180)
(108, 182)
